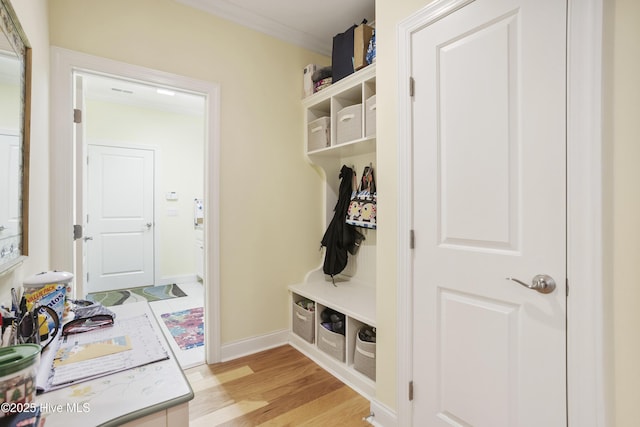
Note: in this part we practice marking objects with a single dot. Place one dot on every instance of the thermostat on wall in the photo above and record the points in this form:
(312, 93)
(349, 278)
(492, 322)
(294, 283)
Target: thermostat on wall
(172, 195)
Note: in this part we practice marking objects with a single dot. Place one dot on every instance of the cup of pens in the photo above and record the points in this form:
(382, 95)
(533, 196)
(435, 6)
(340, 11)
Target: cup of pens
(18, 370)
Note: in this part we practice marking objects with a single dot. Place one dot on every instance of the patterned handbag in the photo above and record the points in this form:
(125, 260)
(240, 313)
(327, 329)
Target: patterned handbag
(362, 209)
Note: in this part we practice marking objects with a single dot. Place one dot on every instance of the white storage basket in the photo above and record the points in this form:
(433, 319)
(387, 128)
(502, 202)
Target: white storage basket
(331, 343)
(349, 124)
(303, 323)
(319, 134)
(364, 357)
(370, 117)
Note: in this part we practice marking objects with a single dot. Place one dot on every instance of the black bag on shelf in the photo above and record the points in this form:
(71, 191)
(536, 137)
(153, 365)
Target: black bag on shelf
(342, 54)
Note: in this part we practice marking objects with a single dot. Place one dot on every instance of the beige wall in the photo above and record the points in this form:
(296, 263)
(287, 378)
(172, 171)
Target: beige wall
(269, 229)
(622, 144)
(388, 15)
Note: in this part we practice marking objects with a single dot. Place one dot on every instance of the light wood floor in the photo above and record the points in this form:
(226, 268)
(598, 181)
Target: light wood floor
(278, 387)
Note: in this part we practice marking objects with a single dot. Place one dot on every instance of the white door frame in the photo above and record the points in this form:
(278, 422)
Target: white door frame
(63, 63)
(585, 318)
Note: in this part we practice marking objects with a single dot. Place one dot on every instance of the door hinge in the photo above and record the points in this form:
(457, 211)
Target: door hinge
(77, 115)
(412, 239)
(410, 391)
(412, 87)
(87, 276)
(77, 232)
(566, 282)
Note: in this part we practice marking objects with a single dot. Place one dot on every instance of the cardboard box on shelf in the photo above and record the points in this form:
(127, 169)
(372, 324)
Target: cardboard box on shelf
(361, 37)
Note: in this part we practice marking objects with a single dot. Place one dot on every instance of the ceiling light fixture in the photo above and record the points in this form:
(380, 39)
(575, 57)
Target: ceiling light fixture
(165, 92)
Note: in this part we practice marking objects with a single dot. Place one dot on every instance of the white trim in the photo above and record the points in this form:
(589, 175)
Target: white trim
(255, 21)
(254, 345)
(63, 63)
(404, 309)
(170, 280)
(585, 337)
(381, 415)
(585, 316)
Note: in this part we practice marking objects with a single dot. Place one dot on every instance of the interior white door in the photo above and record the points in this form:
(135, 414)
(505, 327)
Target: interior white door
(120, 218)
(489, 204)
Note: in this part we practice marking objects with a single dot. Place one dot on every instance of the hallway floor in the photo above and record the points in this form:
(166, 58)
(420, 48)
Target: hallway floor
(194, 299)
(277, 387)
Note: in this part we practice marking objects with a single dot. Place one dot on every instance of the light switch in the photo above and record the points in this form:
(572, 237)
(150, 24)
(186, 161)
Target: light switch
(172, 212)
(172, 195)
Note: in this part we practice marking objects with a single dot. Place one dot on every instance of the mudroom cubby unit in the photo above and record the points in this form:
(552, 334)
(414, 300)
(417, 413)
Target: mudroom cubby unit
(333, 351)
(340, 130)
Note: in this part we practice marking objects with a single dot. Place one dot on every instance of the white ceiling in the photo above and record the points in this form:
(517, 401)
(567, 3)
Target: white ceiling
(119, 91)
(310, 24)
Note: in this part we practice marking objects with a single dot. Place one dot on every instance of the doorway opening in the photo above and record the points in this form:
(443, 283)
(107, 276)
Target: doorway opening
(139, 197)
(66, 63)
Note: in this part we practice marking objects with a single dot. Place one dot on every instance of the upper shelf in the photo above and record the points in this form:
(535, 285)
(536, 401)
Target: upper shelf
(367, 73)
(340, 120)
(351, 148)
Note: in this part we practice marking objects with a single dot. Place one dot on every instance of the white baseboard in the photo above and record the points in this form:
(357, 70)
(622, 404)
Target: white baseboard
(382, 416)
(169, 280)
(253, 345)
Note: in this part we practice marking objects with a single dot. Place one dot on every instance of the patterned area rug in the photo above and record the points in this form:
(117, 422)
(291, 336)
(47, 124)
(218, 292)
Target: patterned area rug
(148, 293)
(186, 327)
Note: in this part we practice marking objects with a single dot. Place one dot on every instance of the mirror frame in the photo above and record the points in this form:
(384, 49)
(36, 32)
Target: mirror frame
(11, 27)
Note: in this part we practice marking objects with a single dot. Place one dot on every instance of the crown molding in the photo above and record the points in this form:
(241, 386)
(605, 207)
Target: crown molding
(260, 23)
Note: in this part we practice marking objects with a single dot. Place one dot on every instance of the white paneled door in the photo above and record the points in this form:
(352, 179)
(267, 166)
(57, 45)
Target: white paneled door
(489, 204)
(120, 222)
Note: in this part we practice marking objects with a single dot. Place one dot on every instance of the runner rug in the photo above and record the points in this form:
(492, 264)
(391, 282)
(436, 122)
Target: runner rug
(186, 327)
(148, 293)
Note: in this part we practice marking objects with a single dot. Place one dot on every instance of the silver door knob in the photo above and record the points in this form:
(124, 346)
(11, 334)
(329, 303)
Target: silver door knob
(148, 225)
(541, 283)
(85, 238)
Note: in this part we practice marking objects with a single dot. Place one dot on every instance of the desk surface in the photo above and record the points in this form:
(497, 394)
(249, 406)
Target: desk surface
(121, 397)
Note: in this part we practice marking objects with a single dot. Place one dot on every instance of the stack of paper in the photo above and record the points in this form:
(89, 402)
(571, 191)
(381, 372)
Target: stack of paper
(130, 343)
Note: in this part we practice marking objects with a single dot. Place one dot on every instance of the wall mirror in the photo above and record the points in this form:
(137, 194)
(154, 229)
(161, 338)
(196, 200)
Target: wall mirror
(15, 99)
